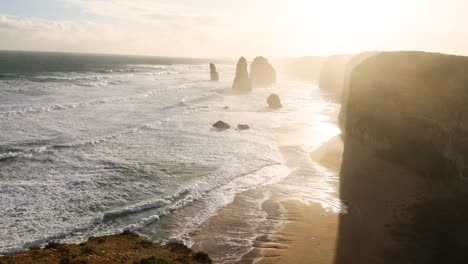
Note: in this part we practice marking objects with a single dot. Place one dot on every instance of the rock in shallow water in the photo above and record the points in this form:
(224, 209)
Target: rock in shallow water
(274, 101)
(221, 125)
(243, 126)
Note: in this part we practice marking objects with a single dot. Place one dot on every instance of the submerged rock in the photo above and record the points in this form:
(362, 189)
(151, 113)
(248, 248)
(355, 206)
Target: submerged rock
(243, 126)
(262, 73)
(274, 101)
(242, 81)
(213, 73)
(222, 125)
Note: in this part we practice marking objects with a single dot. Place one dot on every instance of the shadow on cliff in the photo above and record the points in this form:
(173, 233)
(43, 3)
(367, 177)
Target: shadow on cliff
(401, 178)
(398, 216)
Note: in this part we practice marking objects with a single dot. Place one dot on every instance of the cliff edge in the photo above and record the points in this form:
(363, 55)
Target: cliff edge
(409, 107)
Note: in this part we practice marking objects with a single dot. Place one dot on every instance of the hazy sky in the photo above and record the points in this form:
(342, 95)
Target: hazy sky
(225, 28)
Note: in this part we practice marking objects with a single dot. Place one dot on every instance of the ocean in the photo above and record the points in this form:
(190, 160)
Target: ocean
(93, 145)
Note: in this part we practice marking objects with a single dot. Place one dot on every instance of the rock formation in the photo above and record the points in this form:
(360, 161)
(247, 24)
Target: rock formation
(262, 73)
(213, 73)
(221, 125)
(243, 126)
(242, 81)
(274, 101)
(410, 107)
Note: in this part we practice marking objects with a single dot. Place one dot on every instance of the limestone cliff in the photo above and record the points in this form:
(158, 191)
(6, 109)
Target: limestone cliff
(342, 92)
(410, 107)
(332, 75)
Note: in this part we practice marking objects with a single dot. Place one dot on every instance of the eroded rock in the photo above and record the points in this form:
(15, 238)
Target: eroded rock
(262, 73)
(243, 126)
(274, 101)
(242, 81)
(221, 125)
(213, 73)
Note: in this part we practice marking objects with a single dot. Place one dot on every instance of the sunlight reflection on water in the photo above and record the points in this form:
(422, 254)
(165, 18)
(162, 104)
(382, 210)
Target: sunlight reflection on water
(311, 182)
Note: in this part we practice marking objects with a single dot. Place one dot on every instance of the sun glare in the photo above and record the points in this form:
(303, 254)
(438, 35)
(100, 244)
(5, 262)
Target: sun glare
(338, 24)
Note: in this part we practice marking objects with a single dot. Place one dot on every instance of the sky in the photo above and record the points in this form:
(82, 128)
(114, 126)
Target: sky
(228, 28)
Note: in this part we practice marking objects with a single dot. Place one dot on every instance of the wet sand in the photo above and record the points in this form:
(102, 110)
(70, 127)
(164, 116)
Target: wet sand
(310, 235)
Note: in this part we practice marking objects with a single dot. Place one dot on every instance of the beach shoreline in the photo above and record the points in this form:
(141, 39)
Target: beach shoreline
(290, 222)
(311, 231)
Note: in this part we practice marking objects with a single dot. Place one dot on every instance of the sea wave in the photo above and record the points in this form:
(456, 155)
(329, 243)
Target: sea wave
(106, 217)
(22, 154)
(56, 107)
(178, 200)
(95, 141)
(148, 205)
(9, 76)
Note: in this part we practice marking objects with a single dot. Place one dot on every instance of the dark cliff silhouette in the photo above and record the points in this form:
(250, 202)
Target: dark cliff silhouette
(403, 175)
(410, 107)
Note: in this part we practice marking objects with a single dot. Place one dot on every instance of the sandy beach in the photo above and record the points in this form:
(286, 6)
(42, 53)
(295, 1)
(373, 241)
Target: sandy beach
(310, 234)
(299, 230)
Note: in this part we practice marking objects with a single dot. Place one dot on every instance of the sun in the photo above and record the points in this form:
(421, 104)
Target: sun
(341, 24)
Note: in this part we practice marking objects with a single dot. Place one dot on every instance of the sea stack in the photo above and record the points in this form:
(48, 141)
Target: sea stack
(262, 73)
(213, 73)
(242, 81)
(274, 101)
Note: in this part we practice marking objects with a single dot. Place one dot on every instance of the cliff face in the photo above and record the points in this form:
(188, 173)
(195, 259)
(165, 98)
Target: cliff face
(342, 93)
(333, 74)
(410, 107)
